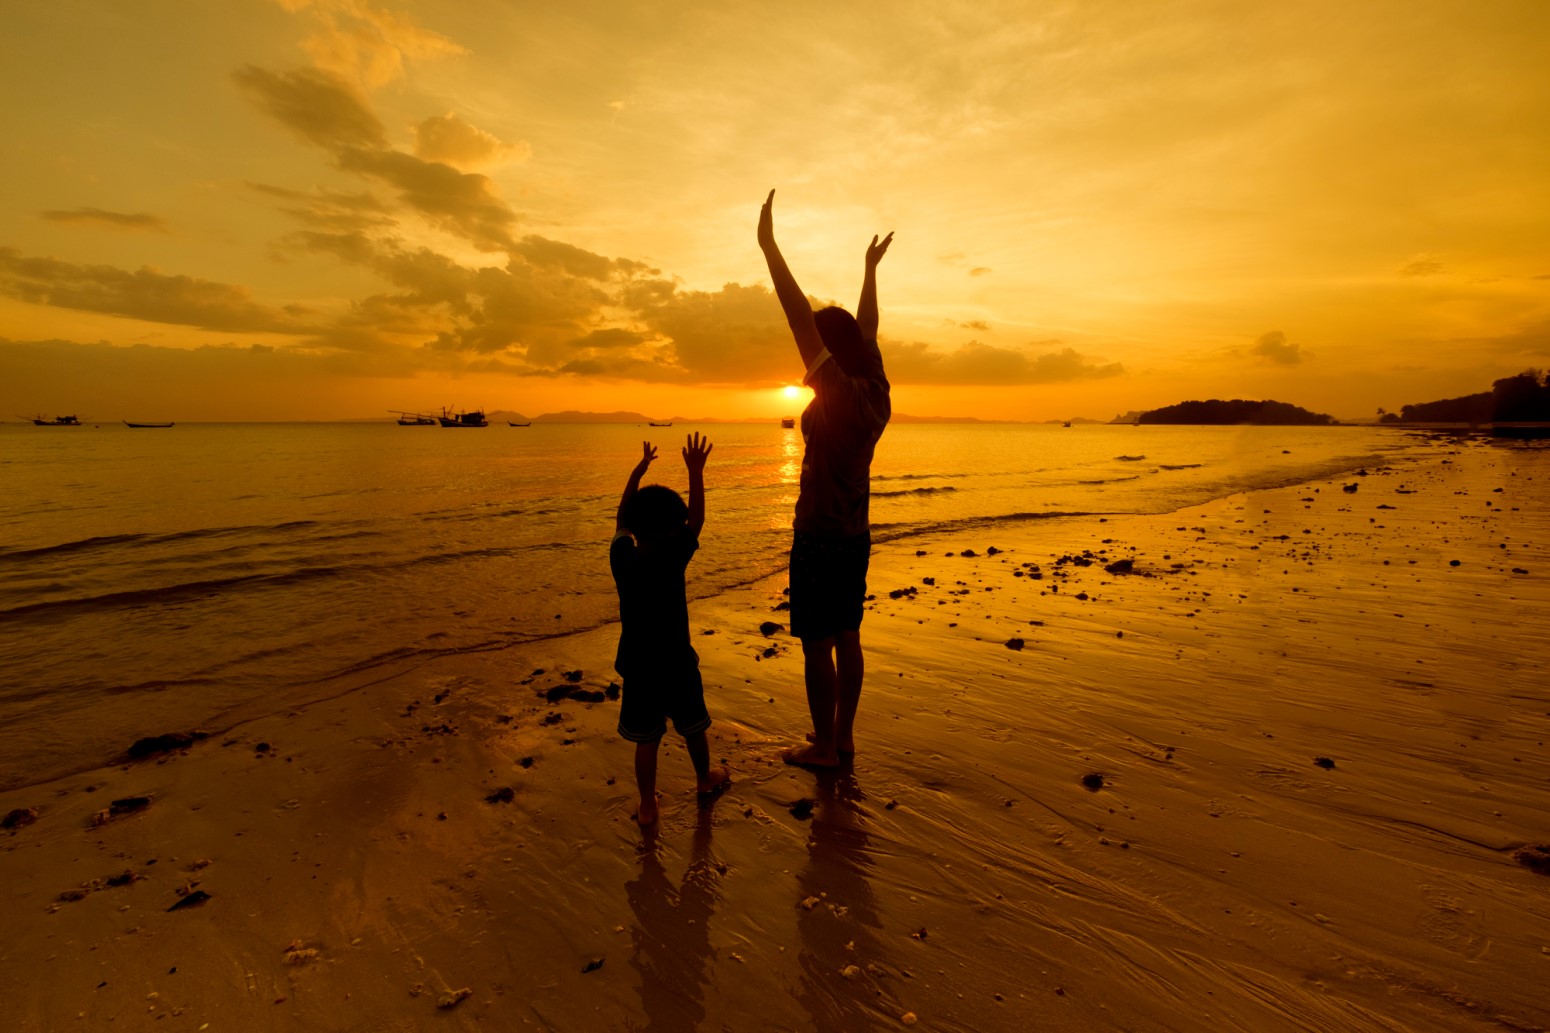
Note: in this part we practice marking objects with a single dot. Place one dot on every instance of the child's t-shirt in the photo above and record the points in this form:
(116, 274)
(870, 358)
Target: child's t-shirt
(653, 605)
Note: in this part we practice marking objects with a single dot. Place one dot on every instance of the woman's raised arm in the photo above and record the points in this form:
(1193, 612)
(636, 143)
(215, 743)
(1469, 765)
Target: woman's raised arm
(799, 314)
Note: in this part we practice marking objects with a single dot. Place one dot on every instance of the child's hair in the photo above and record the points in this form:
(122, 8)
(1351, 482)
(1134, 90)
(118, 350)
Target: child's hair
(654, 512)
(842, 336)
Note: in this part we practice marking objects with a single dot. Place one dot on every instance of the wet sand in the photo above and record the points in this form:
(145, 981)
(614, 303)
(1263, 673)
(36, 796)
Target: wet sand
(1286, 772)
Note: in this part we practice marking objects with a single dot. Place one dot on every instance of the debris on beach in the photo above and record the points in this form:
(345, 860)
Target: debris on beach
(298, 954)
(808, 903)
(119, 808)
(505, 794)
(769, 628)
(1015, 643)
(1121, 567)
(1535, 857)
(593, 965)
(192, 898)
(801, 809)
(1092, 780)
(19, 817)
(1324, 762)
(452, 998)
(165, 743)
(612, 692)
(572, 676)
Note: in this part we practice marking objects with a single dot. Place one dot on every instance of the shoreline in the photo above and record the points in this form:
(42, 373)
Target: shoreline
(1218, 876)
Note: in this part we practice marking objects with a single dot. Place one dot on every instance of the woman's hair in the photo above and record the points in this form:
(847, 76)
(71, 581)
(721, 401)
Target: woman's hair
(842, 336)
(654, 512)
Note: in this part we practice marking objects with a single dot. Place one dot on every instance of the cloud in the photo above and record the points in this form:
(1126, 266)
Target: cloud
(979, 270)
(448, 139)
(324, 110)
(318, 106)
(329, 210)
(976, 363)
(353, 40)
(1423, 264)
(112, 220)
(1274, 347)
(144, 294)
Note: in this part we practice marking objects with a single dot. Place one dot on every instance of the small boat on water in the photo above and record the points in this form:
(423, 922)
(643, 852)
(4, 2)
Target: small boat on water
(788, 422)
(474, 418)
(511, 423)
(414, 419)
(57, 421)
(1065, 423)
(659, 424)
(144, 426)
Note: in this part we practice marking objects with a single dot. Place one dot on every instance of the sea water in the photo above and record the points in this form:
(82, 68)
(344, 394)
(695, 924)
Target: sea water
(168, 579)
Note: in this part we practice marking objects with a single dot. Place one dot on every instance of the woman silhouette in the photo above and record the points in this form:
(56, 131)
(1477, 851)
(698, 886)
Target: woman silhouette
(831, 540)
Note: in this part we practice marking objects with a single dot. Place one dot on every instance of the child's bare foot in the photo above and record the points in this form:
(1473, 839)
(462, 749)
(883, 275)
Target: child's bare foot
(647, 815)
(845, 749)
(814, 757)
(713, 783)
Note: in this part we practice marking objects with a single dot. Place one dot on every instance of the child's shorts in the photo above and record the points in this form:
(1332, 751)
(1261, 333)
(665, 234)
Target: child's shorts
(647, 703)
(828, 583)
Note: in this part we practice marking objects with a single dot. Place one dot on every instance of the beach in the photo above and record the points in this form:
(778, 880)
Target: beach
(1274, 762)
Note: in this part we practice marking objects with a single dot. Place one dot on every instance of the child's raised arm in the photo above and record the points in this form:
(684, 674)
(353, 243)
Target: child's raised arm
(648, 453)
(696, 451)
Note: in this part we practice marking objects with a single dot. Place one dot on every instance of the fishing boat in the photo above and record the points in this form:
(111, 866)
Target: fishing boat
(145, 426)
(414, 419)
(788, 422)
(1065, 423)
(57, 421)
(474, 418)
(659, 424)
(513, 423)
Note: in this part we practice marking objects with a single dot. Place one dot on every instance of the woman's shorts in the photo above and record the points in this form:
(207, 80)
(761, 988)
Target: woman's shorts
(828, 583)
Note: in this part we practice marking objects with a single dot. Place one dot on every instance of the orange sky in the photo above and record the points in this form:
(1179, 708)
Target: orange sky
(329, 208)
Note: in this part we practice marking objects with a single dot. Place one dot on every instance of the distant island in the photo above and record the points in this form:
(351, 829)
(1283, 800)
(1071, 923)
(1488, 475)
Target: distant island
(1524, 398)
(1217, 412)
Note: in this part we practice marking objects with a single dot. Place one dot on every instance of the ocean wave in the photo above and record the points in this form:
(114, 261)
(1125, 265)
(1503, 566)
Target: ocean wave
(140, 540)
(913, 491)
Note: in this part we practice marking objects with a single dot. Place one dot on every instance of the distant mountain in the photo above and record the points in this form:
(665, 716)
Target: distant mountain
(901, 417)
(1217, 412)
(575, 416)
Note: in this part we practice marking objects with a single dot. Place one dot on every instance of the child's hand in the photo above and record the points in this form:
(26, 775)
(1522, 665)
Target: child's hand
(696, 451)
(648, 452)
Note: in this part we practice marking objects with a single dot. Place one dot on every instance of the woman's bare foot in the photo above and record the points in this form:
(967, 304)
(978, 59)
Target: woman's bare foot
(845, 749)
(813, 757)
(647, 815)
(714, 782)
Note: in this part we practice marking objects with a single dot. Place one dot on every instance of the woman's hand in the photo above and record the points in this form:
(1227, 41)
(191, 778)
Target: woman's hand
(874, 251)
(767, 223)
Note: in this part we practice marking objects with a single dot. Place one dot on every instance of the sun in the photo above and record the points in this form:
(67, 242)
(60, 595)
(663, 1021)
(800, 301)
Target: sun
(791, 392)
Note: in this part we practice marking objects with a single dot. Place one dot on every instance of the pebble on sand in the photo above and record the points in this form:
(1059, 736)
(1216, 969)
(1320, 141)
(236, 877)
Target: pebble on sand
(1015, 643)
(19, 817)
(1092, 780)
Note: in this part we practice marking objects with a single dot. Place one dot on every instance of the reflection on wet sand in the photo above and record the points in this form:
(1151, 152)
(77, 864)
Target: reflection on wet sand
(670, 939)
(846, 977)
